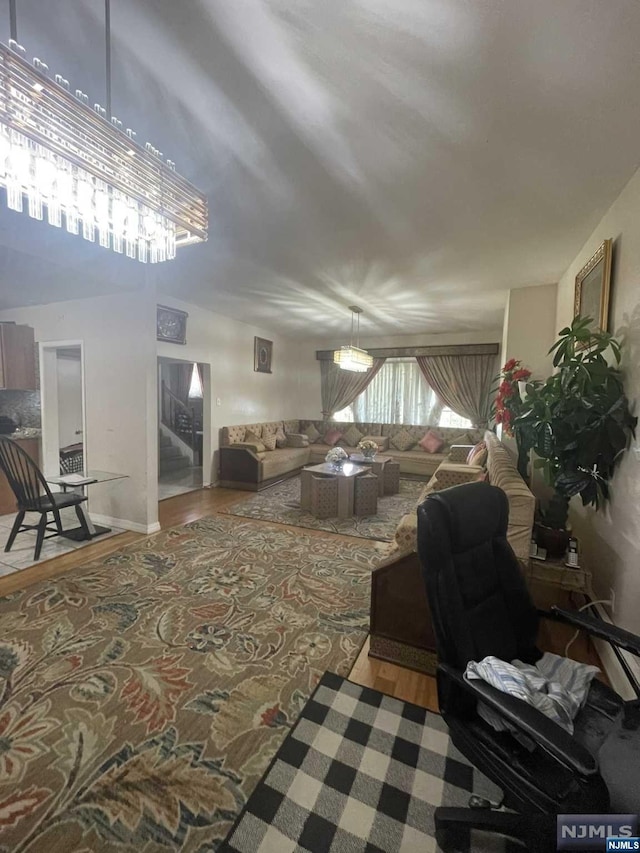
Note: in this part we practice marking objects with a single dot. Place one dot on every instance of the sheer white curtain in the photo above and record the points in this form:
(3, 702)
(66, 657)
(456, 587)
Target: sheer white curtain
(398, 394)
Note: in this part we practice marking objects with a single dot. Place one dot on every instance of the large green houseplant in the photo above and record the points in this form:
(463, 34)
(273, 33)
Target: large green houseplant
(578, 421)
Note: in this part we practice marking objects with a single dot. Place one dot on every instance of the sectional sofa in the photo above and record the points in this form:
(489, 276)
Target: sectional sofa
(250, 465)
(400, 623)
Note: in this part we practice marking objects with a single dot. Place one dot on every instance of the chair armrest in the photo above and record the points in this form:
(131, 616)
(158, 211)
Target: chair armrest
(597, 627)
(459, 452)
(531, 722)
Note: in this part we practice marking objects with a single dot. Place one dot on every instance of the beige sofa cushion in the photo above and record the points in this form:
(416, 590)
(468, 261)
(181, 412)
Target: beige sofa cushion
(280, 462)
(352, 436)
(269, 441)
(297, 440)
(312, 433)
(449, 474)
(402, 440)
(233, 435)
(503, 473)
(251, 437)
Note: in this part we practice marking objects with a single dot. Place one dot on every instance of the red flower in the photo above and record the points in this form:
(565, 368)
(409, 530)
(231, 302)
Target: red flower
(506, 389)
(521, 375)
(510, 365)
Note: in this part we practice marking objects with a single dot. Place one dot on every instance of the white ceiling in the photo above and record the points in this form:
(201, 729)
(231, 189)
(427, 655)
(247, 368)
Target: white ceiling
(418, 157)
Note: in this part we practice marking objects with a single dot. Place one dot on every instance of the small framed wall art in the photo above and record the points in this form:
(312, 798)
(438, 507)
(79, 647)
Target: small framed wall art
(262, 354)
(592, 287)
(171, 325)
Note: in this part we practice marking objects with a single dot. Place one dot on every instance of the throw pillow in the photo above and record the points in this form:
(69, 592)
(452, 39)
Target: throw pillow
(478, 455)
(403, 440)
(332, 437)
(463, 438)
(431, 442)
(312, 434)
(352, 436)
(269, 441)
(297, 440)
(251, 438)
(281, 439)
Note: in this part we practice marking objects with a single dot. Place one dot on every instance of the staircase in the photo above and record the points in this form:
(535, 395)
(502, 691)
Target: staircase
(171, 459)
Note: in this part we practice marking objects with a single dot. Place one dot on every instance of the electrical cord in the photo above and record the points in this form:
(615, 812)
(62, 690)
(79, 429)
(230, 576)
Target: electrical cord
(577, 631)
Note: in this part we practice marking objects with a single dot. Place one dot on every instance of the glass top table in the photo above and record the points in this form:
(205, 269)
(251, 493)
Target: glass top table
(79, 482)
(74, 480)
(348, 469)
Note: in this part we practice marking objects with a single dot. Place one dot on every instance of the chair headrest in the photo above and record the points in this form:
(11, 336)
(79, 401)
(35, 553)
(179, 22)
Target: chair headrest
(476, 513)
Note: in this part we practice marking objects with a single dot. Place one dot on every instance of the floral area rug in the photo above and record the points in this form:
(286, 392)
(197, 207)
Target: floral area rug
(281, 504)
(143, 696)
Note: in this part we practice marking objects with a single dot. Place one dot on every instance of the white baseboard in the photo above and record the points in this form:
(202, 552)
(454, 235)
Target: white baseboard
(611, 664)
(124, 524)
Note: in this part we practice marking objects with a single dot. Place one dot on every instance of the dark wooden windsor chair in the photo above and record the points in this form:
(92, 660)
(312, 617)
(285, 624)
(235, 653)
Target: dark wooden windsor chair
(34, 495)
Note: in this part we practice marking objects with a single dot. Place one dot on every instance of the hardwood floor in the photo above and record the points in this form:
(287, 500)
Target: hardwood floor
(394, 680)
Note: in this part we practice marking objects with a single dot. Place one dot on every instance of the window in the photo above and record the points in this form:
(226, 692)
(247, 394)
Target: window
(195, 388)
(449, 418)
(399, 394)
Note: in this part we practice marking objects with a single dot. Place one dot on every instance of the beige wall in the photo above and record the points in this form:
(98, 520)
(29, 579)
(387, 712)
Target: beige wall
(530, 327)
(611, 538)
(118, 336)
(245, 396)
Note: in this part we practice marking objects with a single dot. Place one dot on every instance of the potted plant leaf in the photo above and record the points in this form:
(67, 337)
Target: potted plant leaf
(579, 423)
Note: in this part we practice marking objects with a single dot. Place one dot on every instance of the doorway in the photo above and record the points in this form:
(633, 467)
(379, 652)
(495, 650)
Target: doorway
(63, 408)
(182, 403)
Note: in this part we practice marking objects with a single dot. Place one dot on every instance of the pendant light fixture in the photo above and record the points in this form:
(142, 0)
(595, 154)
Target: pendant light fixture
(76, 162)
(353, 358)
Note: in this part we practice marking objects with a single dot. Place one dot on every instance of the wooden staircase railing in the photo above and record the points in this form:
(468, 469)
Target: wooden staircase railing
(178, 417)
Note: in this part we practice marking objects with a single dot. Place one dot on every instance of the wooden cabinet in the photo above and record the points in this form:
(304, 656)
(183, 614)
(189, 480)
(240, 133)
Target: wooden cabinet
(17, 358)
(7, 498)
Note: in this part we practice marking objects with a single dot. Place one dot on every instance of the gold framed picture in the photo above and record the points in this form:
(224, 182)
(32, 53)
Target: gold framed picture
(592, 287)
(262, 354)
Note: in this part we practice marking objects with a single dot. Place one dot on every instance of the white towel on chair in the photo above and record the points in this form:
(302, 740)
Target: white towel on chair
(556, 686)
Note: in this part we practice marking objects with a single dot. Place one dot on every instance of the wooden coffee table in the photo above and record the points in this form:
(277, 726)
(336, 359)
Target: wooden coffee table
(377, 466)
(346, 484)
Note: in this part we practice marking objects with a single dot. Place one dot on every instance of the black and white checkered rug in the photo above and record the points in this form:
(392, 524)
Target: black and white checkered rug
(359, 771)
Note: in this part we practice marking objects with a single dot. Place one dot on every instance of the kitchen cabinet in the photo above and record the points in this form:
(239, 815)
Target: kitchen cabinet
(7, 498)
(17, 358)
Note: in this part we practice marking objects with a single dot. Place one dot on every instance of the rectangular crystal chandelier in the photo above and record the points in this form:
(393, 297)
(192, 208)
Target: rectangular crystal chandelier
(60, 156)
(353, 358)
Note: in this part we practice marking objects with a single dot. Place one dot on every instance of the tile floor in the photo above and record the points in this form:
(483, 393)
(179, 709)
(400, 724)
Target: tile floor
(21, 554)
(179, 482)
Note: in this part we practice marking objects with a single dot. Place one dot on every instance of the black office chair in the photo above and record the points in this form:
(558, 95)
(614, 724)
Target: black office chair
(34, 495)
(480, 606)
